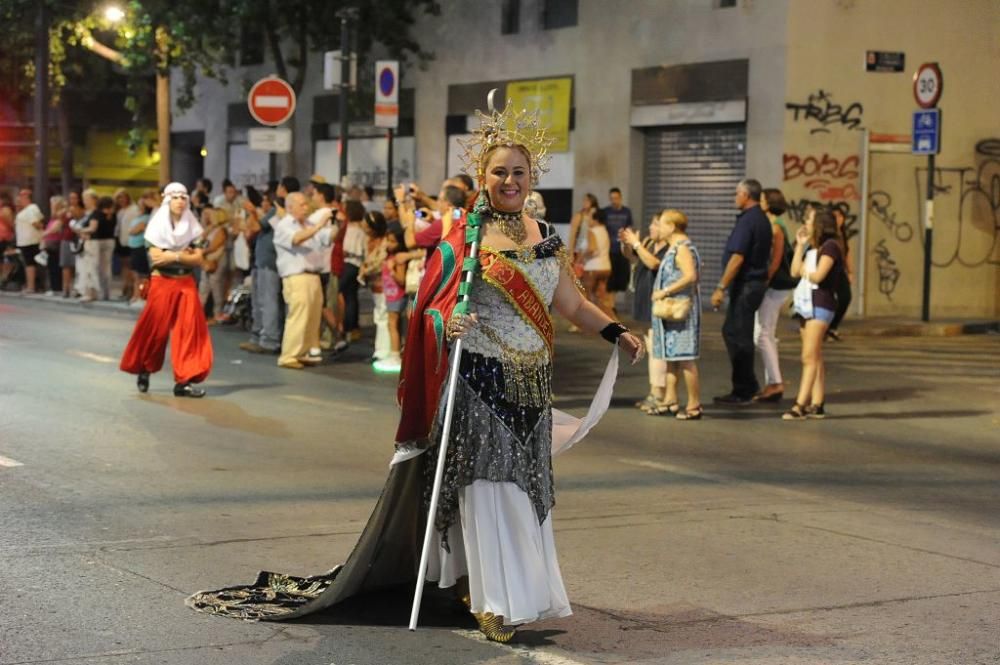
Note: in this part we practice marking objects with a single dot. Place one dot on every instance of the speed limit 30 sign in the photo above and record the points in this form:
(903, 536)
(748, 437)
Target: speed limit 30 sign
(927, 85)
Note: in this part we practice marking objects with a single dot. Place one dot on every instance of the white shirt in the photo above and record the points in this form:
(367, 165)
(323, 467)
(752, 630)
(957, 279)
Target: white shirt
(304, 257)
(317, 217)
(601, 260)
(125, 217)
(24, 226)
(355, 244)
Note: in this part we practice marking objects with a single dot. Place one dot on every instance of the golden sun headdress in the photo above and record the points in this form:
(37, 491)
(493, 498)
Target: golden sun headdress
(507, 128)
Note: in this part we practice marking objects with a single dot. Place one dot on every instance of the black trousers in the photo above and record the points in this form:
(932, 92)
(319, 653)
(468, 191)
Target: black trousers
(349, 289)
(737, 331)
(843, 301)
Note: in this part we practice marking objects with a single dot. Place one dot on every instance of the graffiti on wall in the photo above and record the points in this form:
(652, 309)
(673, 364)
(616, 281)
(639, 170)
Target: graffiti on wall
(888, 271)
(966, 195)
(821, 113)
(880, 207)
(797, 211)
(964, 198)
(829, 178)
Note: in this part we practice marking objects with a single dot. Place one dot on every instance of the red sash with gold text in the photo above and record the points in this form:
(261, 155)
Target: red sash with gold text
(504, 274)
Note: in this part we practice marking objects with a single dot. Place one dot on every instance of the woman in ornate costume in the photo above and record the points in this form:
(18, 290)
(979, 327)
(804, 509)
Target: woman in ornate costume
(493, 540)
(173, 309)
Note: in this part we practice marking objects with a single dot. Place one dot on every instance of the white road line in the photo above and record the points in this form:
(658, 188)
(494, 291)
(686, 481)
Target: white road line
(717, 478)
(529, 653)
(346, 406)
(87, 355)
(6, 461)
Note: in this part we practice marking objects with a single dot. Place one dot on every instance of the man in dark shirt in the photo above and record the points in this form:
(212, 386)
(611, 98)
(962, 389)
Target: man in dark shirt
(618, 218)
(745, 263)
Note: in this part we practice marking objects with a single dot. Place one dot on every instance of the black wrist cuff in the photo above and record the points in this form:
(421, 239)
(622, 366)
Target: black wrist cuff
(613, 331)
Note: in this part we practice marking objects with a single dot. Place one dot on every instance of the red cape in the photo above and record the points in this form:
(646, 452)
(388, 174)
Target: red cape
(425, 359)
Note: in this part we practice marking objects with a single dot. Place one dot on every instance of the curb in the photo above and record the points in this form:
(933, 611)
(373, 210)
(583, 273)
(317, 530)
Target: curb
(954, 329)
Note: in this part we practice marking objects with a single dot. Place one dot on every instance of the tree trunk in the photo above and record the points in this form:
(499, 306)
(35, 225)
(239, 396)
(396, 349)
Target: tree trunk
(163, 125)
(66, 143)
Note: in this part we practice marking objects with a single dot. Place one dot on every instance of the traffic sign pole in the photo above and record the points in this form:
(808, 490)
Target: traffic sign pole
(925, 311)
(928, 84)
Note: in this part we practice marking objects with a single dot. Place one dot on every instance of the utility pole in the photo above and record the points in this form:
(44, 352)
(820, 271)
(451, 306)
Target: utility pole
(346, 15)
(41, 187)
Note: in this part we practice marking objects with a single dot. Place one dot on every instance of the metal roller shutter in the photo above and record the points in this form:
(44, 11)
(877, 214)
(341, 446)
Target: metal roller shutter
(695, 170)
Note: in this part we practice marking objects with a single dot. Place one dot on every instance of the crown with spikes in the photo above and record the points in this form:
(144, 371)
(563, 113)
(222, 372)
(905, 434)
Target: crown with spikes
(506, 128)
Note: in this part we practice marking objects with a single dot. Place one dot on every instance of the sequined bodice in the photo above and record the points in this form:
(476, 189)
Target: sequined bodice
(498, 320)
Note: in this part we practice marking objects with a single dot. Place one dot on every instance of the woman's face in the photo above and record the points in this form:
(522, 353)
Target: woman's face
(655, 230)
(508, 179)
(810, 217)
(667, 228)
(391, 244)
(74, 198)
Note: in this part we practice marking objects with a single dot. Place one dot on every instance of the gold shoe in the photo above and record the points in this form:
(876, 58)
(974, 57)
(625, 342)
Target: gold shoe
(491, 625)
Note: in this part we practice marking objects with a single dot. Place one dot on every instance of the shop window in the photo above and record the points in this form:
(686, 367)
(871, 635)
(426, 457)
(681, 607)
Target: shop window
(559, 13)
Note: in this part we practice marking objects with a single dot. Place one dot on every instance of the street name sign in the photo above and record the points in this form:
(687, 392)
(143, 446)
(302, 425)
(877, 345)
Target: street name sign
(927, 85)
(271, 101)
(885, 61)
(278, 139)
(387, 94)
(926, 132)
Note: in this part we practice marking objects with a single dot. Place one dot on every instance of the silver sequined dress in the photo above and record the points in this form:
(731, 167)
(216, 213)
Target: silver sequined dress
(494, 516)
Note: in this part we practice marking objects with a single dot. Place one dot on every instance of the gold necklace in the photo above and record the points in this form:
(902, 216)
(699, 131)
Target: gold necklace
(511, 224)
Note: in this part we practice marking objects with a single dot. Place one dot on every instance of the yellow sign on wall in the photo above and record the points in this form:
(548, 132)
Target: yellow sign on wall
(552, 98)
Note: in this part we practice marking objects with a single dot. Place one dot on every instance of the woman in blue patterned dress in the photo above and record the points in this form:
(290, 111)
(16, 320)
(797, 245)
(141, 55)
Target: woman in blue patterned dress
(678, 342)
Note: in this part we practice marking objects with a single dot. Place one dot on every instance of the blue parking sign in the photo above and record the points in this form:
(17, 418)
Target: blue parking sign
(926, 132)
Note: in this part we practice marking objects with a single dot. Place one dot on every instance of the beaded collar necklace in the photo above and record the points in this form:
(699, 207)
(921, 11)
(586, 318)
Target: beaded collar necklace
(511, 224)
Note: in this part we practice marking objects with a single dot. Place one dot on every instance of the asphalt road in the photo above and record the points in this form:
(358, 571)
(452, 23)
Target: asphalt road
(871, 537)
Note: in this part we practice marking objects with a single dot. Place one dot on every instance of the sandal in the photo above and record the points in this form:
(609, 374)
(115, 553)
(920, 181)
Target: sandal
(797, 412)
(691, 414)
(816, 411)
(660, 409)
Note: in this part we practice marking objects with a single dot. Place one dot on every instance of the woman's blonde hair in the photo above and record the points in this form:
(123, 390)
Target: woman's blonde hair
(675, 217)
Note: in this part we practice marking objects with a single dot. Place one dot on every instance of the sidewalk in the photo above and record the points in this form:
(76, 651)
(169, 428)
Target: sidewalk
(851, 327)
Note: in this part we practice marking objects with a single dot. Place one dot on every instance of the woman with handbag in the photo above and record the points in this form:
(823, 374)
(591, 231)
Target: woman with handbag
(677, 318)
(647, 255)
(780, 286)
(819, 262)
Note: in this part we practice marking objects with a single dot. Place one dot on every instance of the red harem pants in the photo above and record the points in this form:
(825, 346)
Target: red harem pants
(172, 310)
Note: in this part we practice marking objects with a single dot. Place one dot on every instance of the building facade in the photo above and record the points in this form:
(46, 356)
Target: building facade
(675, 101)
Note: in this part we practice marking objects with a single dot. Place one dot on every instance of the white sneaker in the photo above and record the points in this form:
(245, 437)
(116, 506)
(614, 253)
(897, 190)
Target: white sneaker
(390, 364)
(340, 345)
(315, 352)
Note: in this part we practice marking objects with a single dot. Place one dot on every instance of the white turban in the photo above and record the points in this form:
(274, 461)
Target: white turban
(163, 233)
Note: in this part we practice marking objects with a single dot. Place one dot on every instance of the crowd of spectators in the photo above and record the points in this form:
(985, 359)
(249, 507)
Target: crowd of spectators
(308, 253)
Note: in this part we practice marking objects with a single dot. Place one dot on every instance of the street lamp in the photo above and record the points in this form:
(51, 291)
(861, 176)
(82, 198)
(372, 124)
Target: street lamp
(114, 13)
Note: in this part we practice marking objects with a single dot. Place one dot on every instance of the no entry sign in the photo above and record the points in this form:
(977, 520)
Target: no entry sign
(271, 101)
(387, 94)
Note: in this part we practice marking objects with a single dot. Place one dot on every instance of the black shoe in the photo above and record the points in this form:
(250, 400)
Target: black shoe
(143, 382)
(732, 399)
(187, 390)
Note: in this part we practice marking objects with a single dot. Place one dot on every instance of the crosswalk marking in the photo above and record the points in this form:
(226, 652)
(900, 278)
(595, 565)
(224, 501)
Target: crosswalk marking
(6, 461)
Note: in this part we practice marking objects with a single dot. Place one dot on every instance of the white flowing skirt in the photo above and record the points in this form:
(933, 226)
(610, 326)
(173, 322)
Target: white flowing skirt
(509, 557)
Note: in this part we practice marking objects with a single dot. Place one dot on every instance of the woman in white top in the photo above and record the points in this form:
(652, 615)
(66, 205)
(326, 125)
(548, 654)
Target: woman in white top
(597, 262)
